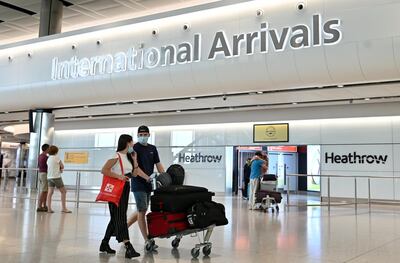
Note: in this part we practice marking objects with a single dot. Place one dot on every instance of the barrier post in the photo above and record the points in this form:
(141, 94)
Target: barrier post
(355, 193)
(78, 188)
(287, 190)
(369, 194)
(329, 193)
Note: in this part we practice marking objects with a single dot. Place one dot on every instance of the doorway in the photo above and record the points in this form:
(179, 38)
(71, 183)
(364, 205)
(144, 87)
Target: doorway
(300, 159)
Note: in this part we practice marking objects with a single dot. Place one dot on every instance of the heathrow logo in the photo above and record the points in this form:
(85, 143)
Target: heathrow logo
(199, 158)
(354, 158)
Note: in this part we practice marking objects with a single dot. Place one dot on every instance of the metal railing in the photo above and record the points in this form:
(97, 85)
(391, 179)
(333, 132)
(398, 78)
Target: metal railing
(78, 186)
(22, 177)
(356, 198)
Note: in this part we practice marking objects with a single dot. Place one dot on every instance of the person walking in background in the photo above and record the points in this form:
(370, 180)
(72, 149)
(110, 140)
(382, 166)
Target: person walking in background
(257, 166)
(246, 178)
(118, 225)
(42, 176)
(54, 169)
(147, 157)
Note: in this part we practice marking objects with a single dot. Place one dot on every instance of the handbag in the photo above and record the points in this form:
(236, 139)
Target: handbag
(111, 188)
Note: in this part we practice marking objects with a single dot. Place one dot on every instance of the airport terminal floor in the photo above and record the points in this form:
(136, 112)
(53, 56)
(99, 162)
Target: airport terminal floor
(310, 234)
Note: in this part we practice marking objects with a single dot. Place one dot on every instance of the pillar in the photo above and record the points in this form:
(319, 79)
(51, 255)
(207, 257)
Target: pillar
(51, 14)
(42, 131)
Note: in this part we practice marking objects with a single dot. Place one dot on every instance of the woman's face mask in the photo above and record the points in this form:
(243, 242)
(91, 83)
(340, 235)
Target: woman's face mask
(130, 149)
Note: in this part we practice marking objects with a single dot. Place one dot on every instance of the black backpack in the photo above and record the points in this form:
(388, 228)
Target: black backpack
(204, 214)
(177, 174)
(163, 180)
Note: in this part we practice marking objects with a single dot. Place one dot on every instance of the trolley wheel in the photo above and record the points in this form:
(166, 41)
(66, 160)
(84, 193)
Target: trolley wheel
(150, 245)
(175, 243)
(195, 252)
(207, 250)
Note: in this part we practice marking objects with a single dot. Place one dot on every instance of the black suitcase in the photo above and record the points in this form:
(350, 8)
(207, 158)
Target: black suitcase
(205, 214)
(172, 202)
(180, 189)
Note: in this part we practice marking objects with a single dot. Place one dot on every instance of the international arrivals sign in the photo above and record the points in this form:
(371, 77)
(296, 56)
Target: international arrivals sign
(268, 39)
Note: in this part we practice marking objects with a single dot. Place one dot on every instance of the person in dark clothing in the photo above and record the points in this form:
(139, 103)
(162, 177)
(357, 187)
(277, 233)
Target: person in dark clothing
(147, 157)
(118, 222)
(42, 176)
(246, 178)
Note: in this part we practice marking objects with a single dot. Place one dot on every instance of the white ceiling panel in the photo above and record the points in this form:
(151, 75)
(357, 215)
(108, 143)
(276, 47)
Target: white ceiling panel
(85, 13)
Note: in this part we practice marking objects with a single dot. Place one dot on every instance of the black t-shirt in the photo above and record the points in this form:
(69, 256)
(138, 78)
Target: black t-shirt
(147, 157)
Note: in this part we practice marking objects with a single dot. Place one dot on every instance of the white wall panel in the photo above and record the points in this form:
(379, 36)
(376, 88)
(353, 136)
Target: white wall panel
(356, 131)
(397, 186)
(396, 130)
(344, 187)
(377, 59)
(309, 61)
(370, 26)
(344, 72)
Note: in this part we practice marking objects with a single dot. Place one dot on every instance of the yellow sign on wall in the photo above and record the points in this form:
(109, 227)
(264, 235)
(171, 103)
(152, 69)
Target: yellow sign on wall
(76, 157)
(277, 132)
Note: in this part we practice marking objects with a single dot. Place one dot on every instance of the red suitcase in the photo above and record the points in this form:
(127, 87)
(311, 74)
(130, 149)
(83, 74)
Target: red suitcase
(162, 224)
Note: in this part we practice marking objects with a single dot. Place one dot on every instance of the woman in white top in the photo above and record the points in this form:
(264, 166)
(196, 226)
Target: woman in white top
(118, 225)
(54, 169)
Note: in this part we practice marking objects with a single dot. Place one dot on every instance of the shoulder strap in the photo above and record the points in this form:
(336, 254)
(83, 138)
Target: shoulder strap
(120, 163)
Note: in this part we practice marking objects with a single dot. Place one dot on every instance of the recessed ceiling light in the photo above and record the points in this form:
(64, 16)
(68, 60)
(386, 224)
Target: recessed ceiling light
(230, 108)
(135, 102)
(192, 98)
(6, 112)
(260, 92)
(131, 114)
(90, 117)
(340, 86)
(86, 106)
(294, 103)
(178, 111)
(367, 99)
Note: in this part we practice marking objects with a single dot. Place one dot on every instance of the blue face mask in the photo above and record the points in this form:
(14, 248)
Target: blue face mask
(143, 139)
(130, 149)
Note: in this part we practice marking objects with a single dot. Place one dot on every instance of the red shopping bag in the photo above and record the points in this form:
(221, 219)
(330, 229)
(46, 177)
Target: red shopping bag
(111, 188)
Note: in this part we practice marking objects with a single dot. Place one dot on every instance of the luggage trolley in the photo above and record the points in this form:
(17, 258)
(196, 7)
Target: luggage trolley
(204, 240)
(264, 194)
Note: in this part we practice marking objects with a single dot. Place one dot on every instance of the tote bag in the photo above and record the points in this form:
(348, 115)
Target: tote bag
(111, 188)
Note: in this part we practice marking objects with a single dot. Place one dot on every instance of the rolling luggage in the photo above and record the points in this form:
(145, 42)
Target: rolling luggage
(178, 198)
(162, 224)
(262, 194)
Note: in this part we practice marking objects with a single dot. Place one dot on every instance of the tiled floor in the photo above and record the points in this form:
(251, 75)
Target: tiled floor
(299, 235)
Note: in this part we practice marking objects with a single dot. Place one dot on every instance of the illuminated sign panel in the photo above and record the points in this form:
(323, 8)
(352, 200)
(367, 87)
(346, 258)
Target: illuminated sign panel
(138, 58)
(277, 132)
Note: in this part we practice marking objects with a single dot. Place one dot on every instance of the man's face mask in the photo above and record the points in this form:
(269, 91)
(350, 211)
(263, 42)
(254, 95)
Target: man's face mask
(143, 139)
